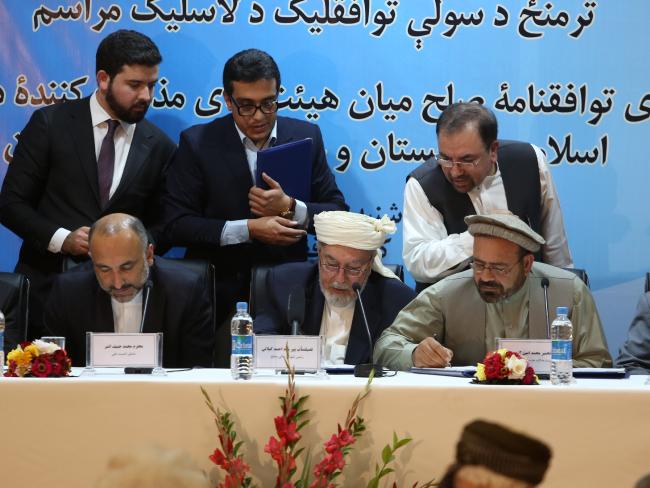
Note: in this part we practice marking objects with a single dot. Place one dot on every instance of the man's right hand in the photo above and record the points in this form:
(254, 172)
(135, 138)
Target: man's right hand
(76, 244)
(275, 230)
(431, 354)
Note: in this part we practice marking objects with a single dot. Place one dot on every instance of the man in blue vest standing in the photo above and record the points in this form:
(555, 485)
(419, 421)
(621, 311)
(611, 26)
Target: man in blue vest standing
(474, 173)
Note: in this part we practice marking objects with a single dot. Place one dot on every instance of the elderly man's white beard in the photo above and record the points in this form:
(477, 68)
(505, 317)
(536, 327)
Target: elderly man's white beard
(341, 301)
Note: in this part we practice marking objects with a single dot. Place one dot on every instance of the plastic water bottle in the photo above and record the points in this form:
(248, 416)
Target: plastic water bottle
(241, 330)
(2, 341)
(561, 348)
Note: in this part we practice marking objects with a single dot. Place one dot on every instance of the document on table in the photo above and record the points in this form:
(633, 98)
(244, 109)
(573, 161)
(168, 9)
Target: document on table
(458, 371)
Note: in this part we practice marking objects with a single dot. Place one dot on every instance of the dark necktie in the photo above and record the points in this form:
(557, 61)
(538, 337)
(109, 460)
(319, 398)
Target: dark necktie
(106, 163)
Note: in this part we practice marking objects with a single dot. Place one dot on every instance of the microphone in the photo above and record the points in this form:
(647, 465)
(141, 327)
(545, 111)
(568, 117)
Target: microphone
(147, 291)
(545, 285)
(296, 310)
(363, 370)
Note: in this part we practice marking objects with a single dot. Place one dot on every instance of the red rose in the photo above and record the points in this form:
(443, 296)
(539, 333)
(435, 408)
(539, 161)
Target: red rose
(529, 376)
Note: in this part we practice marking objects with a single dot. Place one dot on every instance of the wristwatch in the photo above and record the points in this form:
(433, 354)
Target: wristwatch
(289, 212)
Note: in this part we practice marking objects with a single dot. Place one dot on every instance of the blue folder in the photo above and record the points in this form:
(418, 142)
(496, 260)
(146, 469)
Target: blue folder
(290, 165)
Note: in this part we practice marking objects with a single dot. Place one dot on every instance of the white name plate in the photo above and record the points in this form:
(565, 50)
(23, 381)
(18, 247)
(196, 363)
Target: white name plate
(536, 351)
(106, 350)
(304, 351)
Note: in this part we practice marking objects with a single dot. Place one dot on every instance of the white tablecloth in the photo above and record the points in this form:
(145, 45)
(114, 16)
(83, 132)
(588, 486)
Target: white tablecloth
(61, 432)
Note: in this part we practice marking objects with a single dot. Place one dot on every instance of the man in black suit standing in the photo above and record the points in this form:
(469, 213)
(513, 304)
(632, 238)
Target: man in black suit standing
(214, 204)
(82, 159)
(130, 292)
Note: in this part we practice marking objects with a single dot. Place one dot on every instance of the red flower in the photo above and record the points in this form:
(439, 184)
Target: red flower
(529, 376)
(286, 431)
(41, 366)
(274, 448)
(218, 458)
(493, 366)
(345, 438)
(330, 464)
(59, 355)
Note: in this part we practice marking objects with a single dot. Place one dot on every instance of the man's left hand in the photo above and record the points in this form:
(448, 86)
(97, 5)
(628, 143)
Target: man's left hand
(266, 203)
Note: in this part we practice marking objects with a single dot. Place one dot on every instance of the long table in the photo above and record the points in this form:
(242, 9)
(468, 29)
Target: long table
(61, 431)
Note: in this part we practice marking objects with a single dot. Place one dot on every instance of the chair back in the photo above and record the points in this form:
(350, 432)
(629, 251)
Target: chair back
(580, 273)
(14, 303)
(259, 299)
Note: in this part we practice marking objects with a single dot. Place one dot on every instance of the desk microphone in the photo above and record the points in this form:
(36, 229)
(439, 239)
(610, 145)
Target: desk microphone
(545, 285)
(296, 310)
(363, 370)
(147, 291)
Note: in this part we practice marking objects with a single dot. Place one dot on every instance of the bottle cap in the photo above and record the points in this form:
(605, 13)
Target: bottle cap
(242, 306)
(562, 310)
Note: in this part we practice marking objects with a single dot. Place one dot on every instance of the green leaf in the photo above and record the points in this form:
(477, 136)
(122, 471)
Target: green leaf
(402, 442)
(386, 454)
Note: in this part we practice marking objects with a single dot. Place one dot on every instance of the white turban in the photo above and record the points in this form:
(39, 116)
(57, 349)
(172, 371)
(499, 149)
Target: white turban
(356, 231)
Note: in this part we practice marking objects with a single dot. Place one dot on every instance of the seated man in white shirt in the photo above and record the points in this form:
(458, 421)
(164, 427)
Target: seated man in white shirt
(474, 173)
(129, 292)
(348, 253)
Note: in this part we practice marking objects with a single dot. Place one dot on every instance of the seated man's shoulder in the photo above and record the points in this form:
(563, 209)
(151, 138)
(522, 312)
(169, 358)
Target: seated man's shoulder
(391, 285)
(78, 277)
(549, 271)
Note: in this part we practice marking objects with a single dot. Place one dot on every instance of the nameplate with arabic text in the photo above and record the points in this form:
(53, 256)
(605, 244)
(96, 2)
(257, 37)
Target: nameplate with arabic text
(304, 351)
(536, 351)
(121, 350)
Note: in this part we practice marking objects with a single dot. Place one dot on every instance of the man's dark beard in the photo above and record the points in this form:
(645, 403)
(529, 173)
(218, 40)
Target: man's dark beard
(495, 294)
(127, 115)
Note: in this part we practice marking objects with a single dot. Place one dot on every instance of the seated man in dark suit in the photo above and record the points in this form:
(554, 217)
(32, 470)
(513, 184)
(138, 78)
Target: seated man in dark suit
(110, 299)
(634, 355)
(348, 252)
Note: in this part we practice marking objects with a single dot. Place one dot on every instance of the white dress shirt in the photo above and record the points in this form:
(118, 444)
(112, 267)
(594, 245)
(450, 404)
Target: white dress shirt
(428, 250)
(335, 329)
(128, 315)
(236, 231)
(122, 139)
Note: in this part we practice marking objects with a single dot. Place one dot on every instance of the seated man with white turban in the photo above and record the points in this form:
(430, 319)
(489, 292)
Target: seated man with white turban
(458, 319)
(348, 253)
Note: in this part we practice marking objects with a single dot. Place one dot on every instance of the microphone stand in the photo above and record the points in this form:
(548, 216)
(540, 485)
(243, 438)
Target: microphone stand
(364, 370)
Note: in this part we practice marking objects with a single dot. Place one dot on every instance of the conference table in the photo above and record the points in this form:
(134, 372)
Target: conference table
(62, 431)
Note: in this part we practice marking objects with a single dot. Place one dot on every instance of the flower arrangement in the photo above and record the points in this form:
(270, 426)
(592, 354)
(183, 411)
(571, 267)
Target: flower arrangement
(283, 447)
(504, 367)
(38, 358)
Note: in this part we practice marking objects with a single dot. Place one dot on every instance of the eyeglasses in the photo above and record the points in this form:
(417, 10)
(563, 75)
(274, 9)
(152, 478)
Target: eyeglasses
(497, 269)
(266, 107)
(448, 163)
(351, 272)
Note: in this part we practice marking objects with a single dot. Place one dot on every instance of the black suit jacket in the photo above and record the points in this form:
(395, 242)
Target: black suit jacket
(178, 307)
(52, 181)
(208, 184)
(382, 297)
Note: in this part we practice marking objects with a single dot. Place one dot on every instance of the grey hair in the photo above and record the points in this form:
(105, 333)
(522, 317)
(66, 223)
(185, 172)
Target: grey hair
(114, 224)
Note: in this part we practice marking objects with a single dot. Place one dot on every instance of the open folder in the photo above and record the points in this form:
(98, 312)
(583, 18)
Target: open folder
(290, 165)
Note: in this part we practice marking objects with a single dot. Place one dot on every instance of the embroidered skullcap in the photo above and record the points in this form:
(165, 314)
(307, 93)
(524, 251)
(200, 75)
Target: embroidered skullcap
(506, 226)
(503, 451)
(357, 231)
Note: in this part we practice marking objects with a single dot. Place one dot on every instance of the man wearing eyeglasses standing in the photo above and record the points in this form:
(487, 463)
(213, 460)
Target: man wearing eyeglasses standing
(348, 253)
(214, 205)
(474, 173)
(457, 320)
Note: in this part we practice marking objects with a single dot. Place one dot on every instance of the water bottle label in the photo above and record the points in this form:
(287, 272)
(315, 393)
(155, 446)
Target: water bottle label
(560, 350)
(242, 344)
